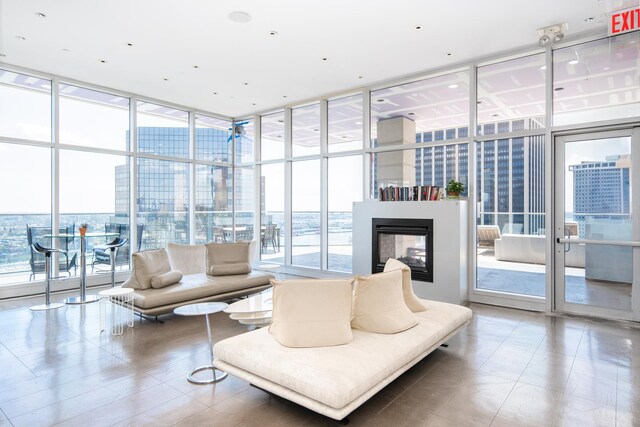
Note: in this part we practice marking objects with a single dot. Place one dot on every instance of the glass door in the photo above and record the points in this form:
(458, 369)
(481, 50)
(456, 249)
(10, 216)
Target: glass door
(596, 244)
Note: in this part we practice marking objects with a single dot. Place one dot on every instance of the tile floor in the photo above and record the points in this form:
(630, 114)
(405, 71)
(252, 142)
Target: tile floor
(506, 368)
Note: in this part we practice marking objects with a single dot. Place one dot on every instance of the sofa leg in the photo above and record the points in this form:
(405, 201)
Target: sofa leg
(151, 319)
(344, 421)
(445, 345)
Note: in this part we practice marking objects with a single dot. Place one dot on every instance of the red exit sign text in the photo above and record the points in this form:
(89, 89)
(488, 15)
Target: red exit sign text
(624, 21)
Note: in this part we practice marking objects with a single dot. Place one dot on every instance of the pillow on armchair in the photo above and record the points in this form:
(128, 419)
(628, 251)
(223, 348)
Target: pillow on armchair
(145, 266)
(225, 259)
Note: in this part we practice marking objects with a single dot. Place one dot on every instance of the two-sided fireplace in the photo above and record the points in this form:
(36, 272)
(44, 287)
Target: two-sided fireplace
(407, 240)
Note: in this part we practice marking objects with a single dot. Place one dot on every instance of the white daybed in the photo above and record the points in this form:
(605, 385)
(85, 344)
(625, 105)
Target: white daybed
(334, 381)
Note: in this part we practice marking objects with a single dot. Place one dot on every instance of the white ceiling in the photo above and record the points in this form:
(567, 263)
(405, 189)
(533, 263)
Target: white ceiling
(364, 42)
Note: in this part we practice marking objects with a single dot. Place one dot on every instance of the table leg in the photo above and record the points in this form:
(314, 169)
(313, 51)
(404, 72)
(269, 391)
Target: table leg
(222, 375)
(83, 299)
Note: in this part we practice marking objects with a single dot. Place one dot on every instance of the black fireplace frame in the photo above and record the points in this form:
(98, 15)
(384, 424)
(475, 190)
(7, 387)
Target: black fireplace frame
(410, 227)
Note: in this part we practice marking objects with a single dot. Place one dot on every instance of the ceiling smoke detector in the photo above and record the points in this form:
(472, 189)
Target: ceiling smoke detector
(552, 34)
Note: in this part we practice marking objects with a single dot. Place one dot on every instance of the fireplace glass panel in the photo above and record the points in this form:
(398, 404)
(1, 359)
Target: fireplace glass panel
(411, 250)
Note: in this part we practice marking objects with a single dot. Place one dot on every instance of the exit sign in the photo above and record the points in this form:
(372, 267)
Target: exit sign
(624, 21)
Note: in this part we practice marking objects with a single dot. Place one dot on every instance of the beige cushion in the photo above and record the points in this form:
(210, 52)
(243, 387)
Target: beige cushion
(312, 313)
(166, 279)
(188, 259)
(224, 259)
(412, 301)
(146, 265)
(378, 304)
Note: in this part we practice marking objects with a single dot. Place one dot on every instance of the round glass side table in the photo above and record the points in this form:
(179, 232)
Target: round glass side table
(204, 309)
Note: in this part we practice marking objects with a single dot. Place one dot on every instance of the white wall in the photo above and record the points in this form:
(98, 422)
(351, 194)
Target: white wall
(449, 243)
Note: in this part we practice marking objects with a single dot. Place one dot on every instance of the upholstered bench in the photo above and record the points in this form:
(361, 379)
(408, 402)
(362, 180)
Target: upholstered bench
(335, 380)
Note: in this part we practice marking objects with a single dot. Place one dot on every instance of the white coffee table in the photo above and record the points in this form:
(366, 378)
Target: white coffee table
(204, 309)
(254, 310)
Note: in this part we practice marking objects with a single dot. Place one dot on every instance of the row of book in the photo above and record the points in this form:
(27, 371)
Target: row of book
(417, 193)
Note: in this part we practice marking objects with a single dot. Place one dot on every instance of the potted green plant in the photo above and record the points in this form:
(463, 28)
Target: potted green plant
(454, 189)
(83, 228)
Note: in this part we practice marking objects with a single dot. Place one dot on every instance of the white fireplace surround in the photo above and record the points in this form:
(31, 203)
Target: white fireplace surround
(450, 240)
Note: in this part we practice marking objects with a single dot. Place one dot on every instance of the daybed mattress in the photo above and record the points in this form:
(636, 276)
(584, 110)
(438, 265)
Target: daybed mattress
(336, 380)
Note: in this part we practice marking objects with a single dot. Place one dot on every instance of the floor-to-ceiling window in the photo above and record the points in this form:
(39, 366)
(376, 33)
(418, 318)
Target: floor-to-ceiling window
(511, 200)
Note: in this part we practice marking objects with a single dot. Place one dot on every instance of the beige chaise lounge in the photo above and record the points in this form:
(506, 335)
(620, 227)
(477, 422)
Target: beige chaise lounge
(196, 285)
(334, 381)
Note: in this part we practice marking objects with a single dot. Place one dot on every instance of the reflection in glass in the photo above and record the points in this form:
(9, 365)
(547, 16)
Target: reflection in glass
(305, 130)
(244, 202)
(305, 201)
(93, 119)
(163, 131)
(94, 189)
(511, 95)
(272, 136)
(212, 139)
(435, 104)
(163, 202)
(213, 203)
(345, 124)
(25, 106)
(26, 203)
(599, 80)
(597, 189)
(345, 187)
(244, 133)
(272, 213)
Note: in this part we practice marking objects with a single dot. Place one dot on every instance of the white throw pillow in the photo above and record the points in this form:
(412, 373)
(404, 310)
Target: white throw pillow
(166, 279)
(410, 298)
(225, 259)
(146, 265)
(378, 304)
(312, 313)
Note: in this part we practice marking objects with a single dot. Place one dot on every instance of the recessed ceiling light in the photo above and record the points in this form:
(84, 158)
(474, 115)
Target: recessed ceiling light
(246, 84)
(494, 115)
(478, 102)
(165, 79)
(411, 114)
(240, 17)
(589, 19)
(253, 103)
(324, 59)
(559, 88)
(130, 44)
(380, 100)
(215, 93)
(2, 55)
(280, 121)
(359, 77)
(315, 130)
(103, 61)
(284, 96)
(196, 66)
(40, 15)
(343, 137)
(21, 37)
(453, 86)
(418, 27)
(273, 33)
(449, 53)
(278, 136)
(64, 49)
